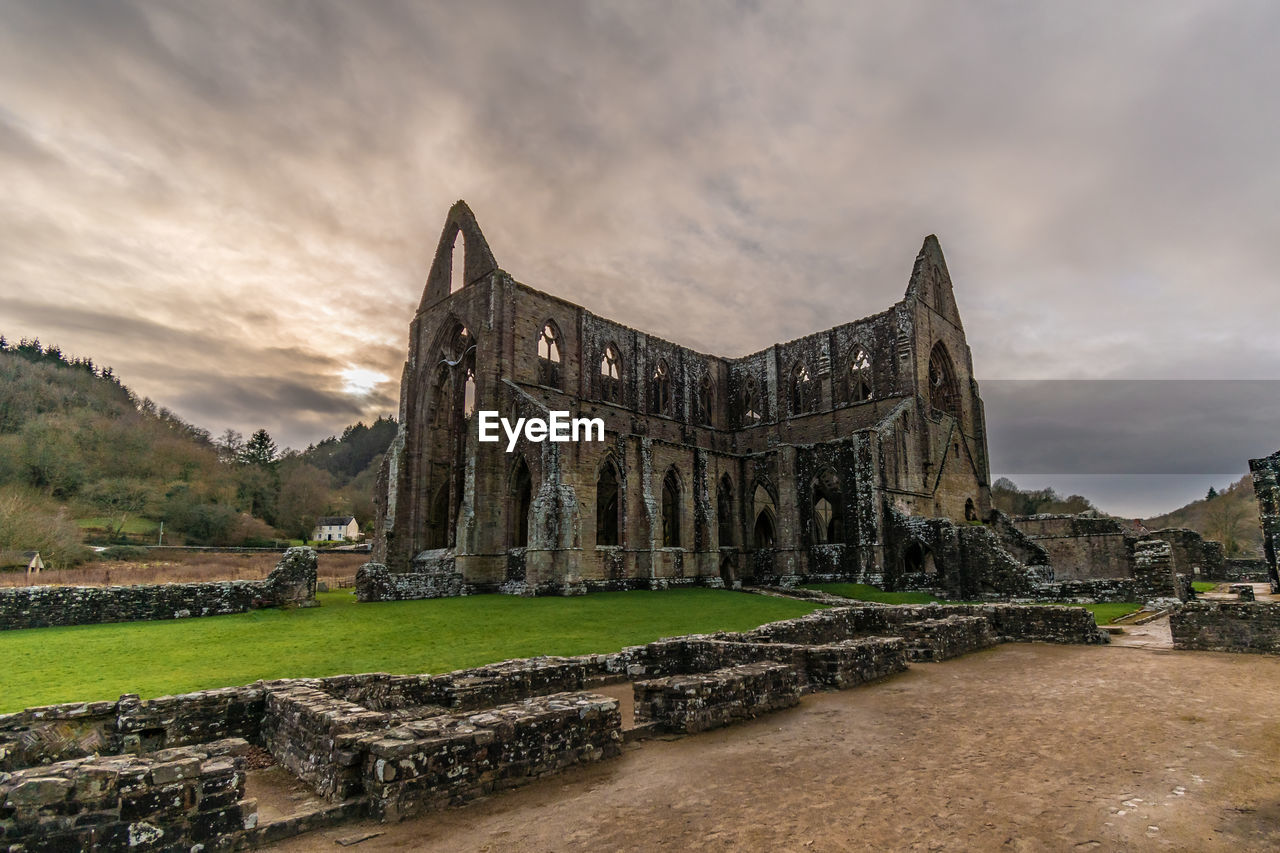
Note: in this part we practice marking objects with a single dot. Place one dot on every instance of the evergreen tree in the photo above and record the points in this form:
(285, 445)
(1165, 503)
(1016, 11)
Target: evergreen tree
(1213, 493)
(259, 450)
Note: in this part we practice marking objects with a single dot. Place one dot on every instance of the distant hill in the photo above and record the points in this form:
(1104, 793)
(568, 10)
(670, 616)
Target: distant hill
(76, 443)
(1230, 517)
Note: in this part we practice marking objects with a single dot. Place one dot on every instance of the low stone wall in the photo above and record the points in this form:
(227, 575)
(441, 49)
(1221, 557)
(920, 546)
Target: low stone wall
(52, 733)
(448, 760)
(291, 583)
(1089, 591)
(375, 582)
(940, 639)
(1238, 570)
(1227, 626)
(695, 703)
(176, 799)
(311, 734)
(1010, 622)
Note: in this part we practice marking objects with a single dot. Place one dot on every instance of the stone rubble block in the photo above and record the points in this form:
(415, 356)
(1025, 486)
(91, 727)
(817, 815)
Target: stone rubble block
(695, 703)
(177, 799)
(448, 760)
(1227, 626)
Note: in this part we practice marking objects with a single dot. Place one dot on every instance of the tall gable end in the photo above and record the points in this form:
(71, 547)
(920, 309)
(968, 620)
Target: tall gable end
(477, 259)
(931, 282)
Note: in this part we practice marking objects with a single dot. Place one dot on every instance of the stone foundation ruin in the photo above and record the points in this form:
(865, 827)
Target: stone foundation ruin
(169, 773)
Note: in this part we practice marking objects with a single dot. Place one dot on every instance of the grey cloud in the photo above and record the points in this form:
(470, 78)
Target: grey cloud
(271, 177)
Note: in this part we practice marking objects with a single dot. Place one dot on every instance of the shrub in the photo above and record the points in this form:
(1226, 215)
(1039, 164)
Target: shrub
(123, 552)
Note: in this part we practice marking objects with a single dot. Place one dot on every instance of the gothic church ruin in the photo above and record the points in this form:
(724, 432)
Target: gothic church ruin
(810, 459)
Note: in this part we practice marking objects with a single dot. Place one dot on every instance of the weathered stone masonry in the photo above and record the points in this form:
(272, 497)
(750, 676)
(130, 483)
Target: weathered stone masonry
(291, 583)
(782, 464)
(1266, 485)
(1227, 626)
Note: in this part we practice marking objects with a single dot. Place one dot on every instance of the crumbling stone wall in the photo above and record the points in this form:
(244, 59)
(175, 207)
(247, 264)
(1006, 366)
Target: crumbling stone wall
(1240, 570)
(1227, 626)
(47, 734)
(696, 703)
(177, 799)
(291, 583)
(1192, 554)
(1087, 546)
(1266, 485)
(442, 761)
(1153, 571)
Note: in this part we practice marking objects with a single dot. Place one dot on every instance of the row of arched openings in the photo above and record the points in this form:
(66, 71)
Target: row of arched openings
(609, 510)
(659, 394)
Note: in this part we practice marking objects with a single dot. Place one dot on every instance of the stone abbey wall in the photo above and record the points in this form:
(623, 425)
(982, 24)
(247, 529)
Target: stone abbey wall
(291, 583)
(777, 465)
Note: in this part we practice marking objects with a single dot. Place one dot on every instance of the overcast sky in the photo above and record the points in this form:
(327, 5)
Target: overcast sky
(234, 203)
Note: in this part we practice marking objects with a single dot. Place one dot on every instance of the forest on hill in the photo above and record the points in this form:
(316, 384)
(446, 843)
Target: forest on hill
(82, 454)
(1229, 516)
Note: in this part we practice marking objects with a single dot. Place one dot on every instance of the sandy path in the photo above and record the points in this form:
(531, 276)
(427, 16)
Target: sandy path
(1023, 747)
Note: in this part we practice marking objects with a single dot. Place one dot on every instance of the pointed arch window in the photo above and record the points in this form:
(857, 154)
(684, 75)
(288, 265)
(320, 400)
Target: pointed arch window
(724, 512)
(671, 510)
(944, 392)
(607, 506)
(520, 504)
(705, 392)
(550, 349)
(762, 533)
(859, 376)
(660, 389)
(458, 263)
(751, 414)
(828, 509)
(801, 389)
(611, 374)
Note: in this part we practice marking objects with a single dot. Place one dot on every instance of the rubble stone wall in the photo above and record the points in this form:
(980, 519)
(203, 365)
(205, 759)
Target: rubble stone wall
(291, 582)
(1239, 570)
(1227, 626)
(311, 734)
(433, 763)
(53, 733)
(175, 799)
(695, 703)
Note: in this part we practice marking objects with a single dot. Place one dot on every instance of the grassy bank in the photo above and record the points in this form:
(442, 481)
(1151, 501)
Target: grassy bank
(93, 662)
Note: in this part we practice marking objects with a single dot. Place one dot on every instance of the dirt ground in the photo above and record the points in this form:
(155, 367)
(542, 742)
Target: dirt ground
(1022, 747)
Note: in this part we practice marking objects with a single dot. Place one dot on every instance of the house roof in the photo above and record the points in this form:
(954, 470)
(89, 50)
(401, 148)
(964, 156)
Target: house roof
(335, 521)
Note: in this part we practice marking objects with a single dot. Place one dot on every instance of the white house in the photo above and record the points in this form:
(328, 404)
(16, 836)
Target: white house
(336, 528)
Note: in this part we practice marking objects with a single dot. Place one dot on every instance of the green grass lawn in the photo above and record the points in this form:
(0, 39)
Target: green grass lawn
(1103, 614)
(94, 662)
(866, 592)
(132, 525)
(1203, 586)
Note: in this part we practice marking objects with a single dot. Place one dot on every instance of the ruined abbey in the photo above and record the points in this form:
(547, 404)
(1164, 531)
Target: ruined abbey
(815, 458)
